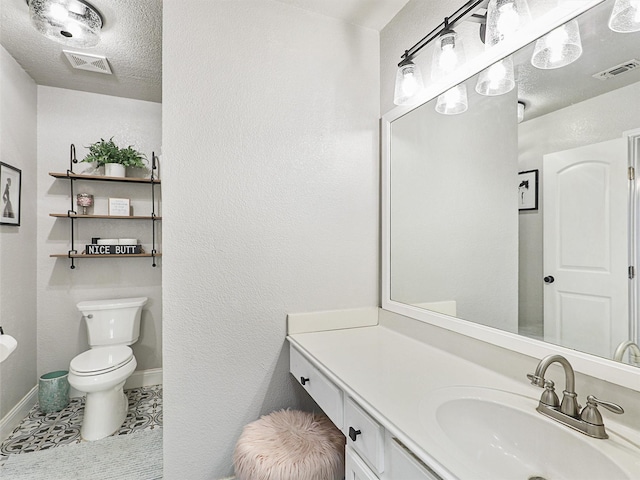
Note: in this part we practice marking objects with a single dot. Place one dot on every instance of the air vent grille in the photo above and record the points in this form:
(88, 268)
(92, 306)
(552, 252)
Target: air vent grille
(91, 63)
(618, 69)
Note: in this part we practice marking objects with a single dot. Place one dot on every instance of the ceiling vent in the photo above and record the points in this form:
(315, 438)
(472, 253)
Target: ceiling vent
(91, 63)
(618, 69)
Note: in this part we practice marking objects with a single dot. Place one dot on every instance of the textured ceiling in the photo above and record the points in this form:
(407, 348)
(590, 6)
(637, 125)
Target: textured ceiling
(132, 42)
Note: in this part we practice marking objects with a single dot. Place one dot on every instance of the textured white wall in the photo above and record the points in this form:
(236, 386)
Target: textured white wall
(601, 118)
(271, 178)
(65, 117)
(18, 96)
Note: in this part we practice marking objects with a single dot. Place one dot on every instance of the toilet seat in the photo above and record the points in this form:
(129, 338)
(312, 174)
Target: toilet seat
(98, 361)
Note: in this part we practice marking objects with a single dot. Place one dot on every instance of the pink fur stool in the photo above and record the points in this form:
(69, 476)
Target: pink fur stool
(290, 445)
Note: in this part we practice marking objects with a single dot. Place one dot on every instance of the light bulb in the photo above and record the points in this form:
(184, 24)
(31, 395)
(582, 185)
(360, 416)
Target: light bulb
(504, 18)
(453, 101)
(408, 83)
(508, 19)
(498, 79)
(58, 12)
(448, 58)
(447, 55)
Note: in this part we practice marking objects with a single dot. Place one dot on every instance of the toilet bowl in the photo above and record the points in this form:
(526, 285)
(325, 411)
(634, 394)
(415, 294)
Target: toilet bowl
(101, 372)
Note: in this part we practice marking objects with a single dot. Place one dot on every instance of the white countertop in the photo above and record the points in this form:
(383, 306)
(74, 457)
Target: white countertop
(393, 375)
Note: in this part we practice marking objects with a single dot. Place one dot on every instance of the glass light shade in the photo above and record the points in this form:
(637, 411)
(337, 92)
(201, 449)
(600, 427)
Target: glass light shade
(408, 83)
(498, 79)
(504, 18)
(520, 112)
(453, 101)
(448, 53)
(625, 16)
(71, 22)
(558, 48)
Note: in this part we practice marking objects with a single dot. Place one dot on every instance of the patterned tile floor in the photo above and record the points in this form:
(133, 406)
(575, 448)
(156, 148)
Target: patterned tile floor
(39, 431)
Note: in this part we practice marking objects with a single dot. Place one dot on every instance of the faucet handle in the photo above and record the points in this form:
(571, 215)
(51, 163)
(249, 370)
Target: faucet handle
(590, 413)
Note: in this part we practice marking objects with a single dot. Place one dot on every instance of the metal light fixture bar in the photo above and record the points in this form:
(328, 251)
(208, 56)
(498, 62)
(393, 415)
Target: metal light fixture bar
(464, 13)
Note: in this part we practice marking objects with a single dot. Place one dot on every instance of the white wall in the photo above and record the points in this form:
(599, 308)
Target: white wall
(271, 178)
(65, 117)
(18, 244)
(601, 118)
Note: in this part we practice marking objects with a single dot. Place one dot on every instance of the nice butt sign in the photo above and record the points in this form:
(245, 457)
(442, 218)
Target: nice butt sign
(113, 249)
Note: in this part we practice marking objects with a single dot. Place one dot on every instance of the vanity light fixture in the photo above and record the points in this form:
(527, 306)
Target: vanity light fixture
(448, 54)
(558, 48)
(408, 82)
(409, 72)
(625, 16)
(71, 22)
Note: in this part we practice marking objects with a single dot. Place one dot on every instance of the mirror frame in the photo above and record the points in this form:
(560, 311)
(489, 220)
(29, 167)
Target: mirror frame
(599, 367)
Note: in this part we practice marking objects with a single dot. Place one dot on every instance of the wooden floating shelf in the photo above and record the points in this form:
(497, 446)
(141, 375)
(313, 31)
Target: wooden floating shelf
(110, 217)
(102, 178)
(84, 255)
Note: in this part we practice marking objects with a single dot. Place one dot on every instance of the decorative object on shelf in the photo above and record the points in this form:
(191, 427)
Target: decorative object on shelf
(114, 158)
(72, 22)
(101, 249)
(85, 200)
(11, 185)
(119, 207)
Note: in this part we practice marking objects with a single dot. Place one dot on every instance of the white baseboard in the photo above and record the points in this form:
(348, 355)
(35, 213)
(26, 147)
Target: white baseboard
(144, 378)
(139, 378)
(12, 419)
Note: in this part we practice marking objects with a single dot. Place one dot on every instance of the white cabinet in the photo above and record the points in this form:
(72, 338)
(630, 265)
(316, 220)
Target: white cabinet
(322, 390)
(356, 468)
(372, 453)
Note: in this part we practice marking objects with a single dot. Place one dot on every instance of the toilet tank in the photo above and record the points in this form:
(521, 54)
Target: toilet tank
(114, 321)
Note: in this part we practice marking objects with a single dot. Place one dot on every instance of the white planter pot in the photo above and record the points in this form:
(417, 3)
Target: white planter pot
(114, 170)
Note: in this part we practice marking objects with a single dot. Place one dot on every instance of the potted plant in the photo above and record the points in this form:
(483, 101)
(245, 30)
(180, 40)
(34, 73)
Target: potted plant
(114, 158)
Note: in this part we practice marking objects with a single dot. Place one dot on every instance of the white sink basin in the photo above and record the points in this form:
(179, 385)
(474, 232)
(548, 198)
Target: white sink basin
(483, 433)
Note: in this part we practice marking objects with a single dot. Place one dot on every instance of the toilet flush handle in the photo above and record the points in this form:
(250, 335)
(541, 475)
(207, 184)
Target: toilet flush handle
(90, 315)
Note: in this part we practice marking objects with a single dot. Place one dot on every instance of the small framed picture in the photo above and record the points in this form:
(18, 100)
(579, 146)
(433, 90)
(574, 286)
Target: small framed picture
(11, 185)
(119, 207)
(528, 190)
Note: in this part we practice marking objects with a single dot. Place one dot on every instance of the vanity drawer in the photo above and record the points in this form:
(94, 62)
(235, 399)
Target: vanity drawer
(401, 463)
(356, 469)
(364, 435)
(326, 394)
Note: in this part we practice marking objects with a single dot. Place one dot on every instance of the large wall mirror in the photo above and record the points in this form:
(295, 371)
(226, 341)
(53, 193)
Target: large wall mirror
(526, 226)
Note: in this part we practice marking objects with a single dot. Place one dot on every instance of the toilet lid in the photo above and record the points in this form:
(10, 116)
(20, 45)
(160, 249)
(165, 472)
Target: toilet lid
(101, 360)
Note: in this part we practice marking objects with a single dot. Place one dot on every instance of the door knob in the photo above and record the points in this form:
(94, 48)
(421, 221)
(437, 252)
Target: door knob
(549, 279)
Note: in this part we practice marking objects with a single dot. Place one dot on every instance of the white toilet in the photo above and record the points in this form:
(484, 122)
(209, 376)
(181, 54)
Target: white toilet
(100, 372)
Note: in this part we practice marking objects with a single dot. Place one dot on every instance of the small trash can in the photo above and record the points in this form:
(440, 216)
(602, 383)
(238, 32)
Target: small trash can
(53, 391)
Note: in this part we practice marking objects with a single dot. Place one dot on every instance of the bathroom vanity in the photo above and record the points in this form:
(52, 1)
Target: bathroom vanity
(412, 411)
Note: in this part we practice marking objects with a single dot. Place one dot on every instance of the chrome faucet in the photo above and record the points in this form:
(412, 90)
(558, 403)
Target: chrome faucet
(588, 421)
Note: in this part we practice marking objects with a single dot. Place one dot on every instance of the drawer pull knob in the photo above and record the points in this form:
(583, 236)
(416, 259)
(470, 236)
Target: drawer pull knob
(303, 380)
(353, 433)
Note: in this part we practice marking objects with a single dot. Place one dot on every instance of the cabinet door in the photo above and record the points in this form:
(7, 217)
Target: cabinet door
(356, 468)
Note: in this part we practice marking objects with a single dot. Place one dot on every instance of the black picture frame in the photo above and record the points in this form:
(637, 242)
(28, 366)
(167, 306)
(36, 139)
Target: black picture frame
(11, 188)
(528, 190)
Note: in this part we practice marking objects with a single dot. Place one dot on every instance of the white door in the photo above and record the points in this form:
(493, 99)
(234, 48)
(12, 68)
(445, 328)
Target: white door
(585, 195)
